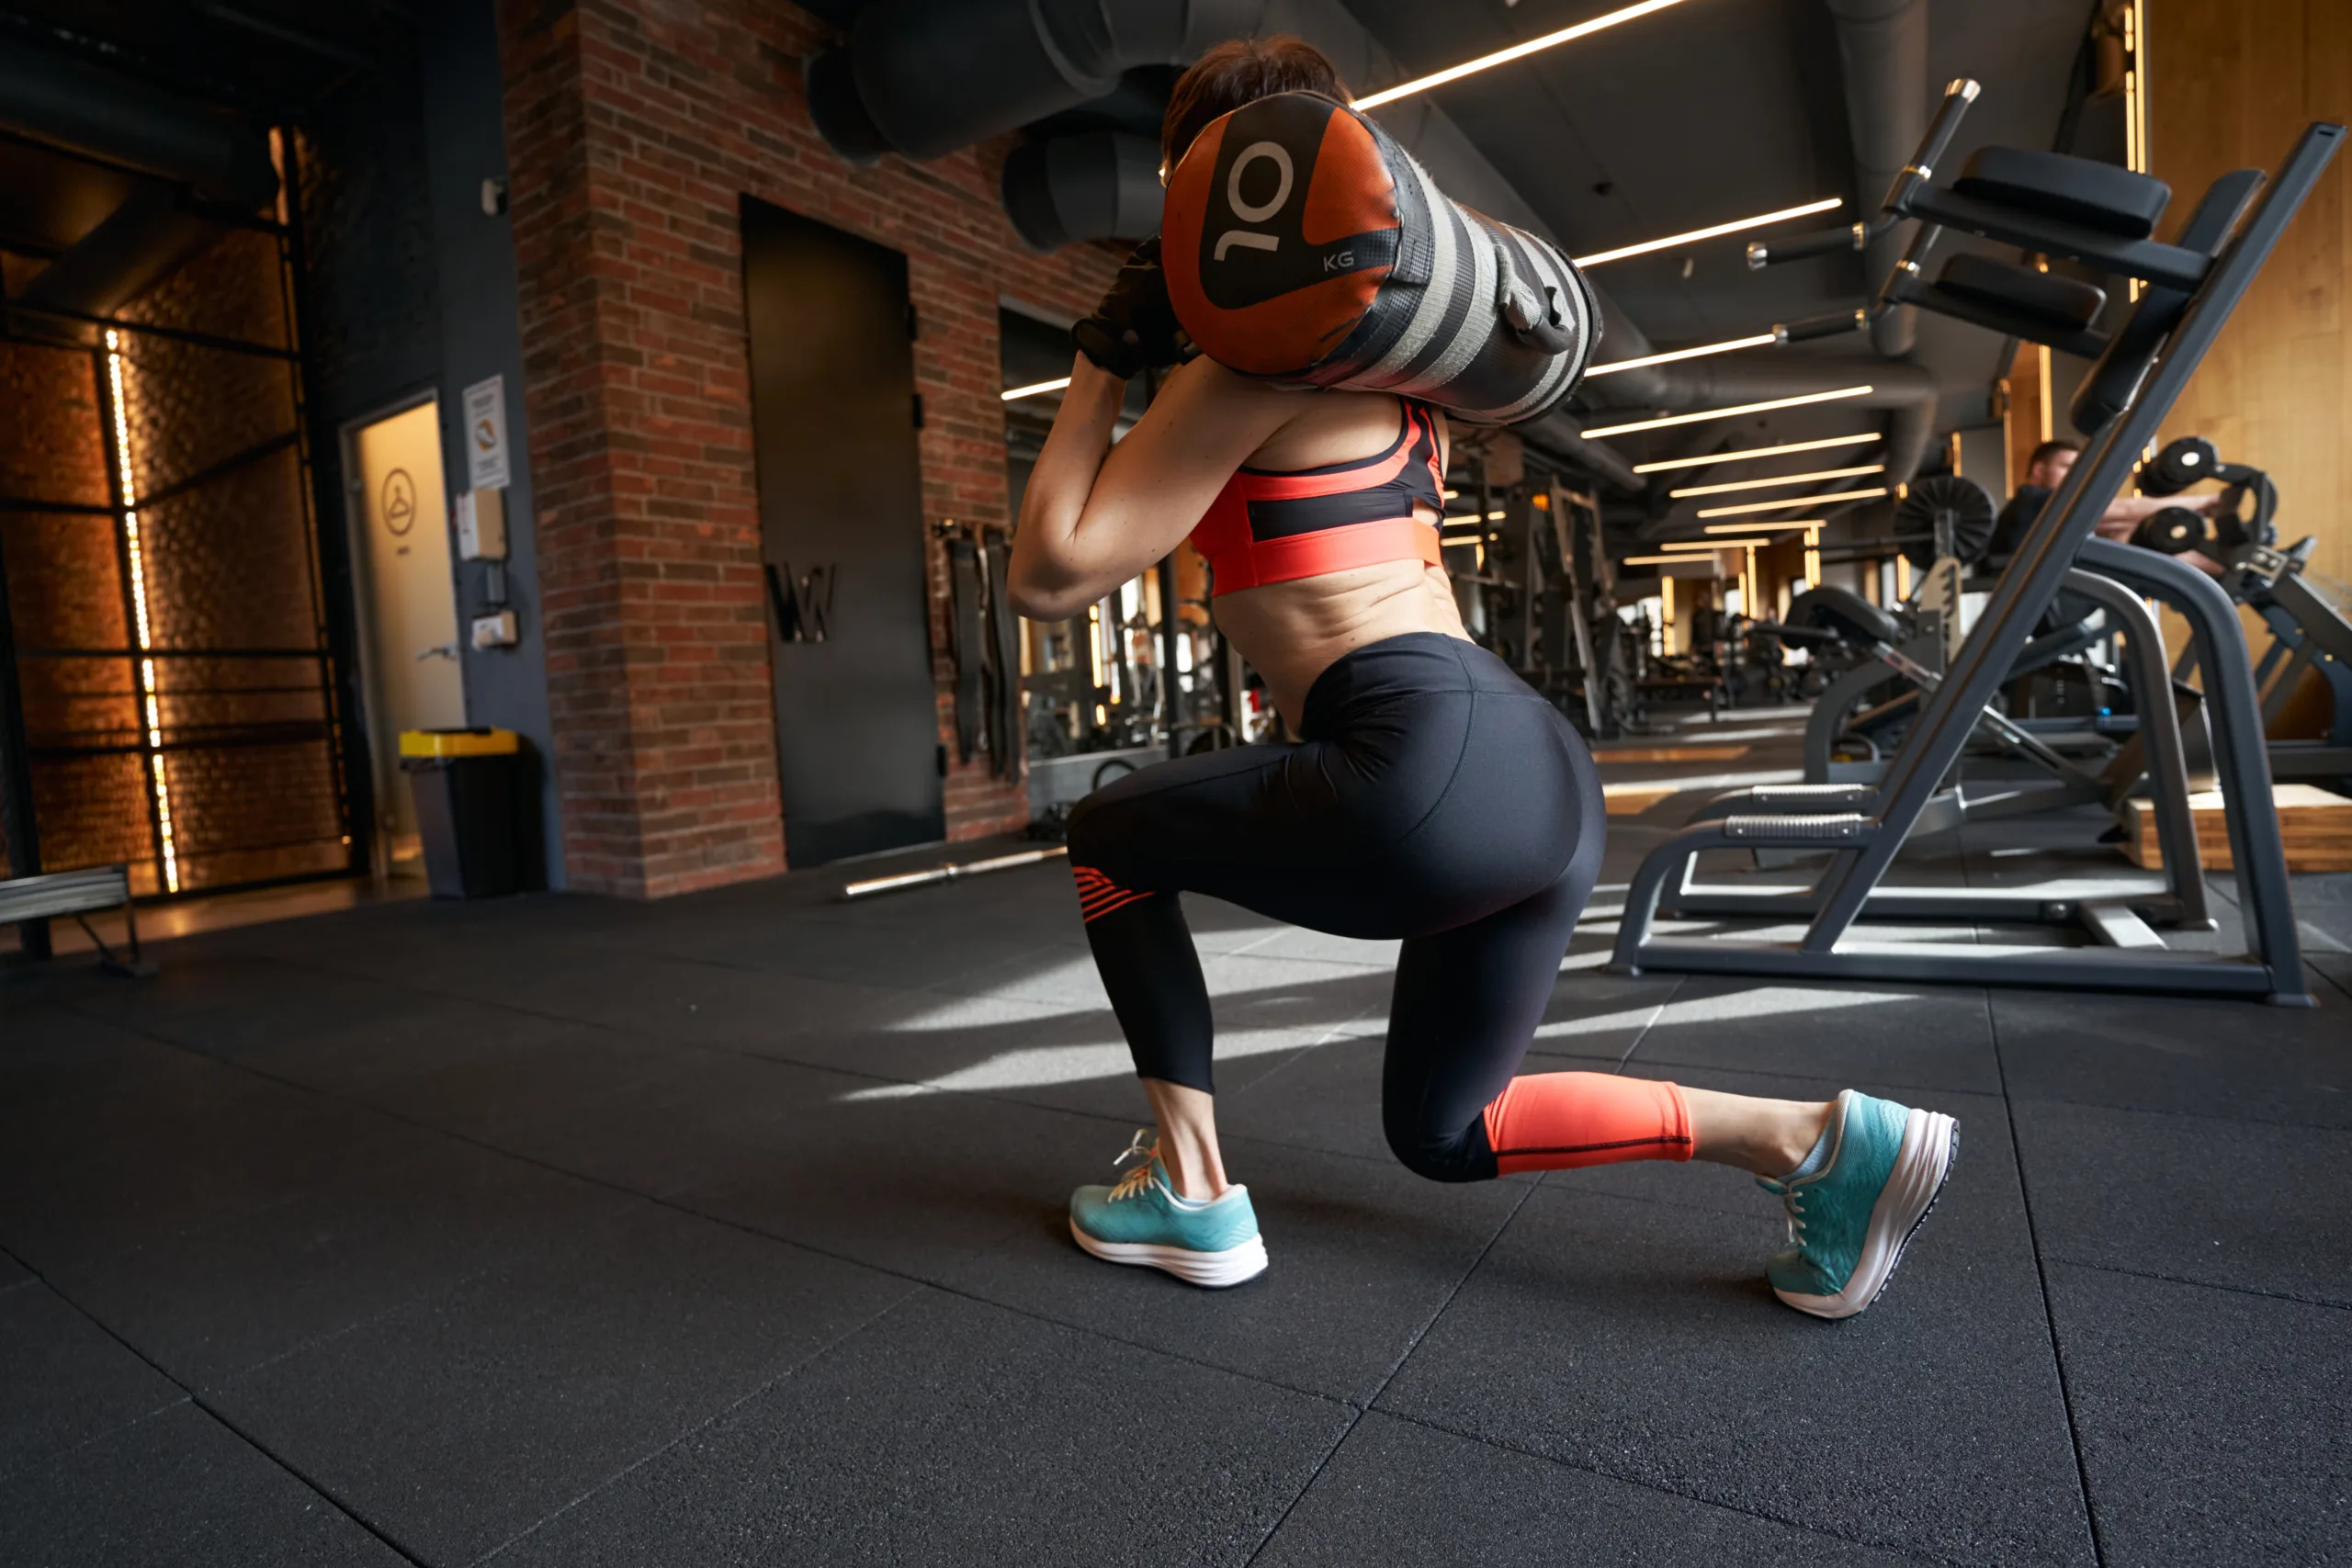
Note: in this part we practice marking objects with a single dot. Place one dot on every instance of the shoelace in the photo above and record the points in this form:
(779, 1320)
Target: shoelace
(1793, 1199)
(1138, 1181)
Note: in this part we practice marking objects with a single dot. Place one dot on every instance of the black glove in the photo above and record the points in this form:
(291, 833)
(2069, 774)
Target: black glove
(1135, 328)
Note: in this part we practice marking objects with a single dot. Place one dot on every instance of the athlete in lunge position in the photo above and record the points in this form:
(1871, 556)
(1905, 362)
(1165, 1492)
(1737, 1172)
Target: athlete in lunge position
(1433, 798)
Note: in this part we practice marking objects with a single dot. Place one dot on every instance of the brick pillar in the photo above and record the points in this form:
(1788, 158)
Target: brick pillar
(634, 128)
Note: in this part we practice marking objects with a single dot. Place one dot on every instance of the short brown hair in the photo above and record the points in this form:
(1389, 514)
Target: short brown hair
(1241, 70)
(2050, 449)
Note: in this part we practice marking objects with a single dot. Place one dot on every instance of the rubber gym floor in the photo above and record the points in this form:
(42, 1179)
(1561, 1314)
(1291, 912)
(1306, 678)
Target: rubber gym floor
(728, 1229)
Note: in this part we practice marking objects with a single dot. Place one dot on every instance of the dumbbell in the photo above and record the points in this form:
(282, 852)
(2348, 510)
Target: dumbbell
(2175, 531)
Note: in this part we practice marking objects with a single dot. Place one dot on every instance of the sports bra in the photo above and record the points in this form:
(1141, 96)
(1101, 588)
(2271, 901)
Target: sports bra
(1267, 526)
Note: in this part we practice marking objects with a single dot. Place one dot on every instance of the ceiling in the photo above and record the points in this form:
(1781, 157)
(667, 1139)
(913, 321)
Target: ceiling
(1709, 111)
(1713, 110)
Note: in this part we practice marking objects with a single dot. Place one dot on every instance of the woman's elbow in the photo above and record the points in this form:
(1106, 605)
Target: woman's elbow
(1035, 604)
(1036, 600)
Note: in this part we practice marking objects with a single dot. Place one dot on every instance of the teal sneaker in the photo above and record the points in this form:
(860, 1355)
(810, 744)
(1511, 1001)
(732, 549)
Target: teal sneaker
(1143, 1222)
(1856, 1201)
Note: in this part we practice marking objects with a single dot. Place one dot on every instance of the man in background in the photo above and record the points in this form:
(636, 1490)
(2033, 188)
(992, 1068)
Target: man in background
(2047, 469)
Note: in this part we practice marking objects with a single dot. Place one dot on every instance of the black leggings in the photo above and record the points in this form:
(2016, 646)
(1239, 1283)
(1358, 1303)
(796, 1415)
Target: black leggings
(1435, 798)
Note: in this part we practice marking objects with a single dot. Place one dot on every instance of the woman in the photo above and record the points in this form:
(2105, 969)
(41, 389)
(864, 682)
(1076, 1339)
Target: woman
(1433, 798)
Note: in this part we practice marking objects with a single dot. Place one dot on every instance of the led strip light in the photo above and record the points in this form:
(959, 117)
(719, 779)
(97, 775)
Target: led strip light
(1713, 231)
(1744, 454)
(1759, 340)
(139, 608)
(1035, 390)
(1790, 504)
(1778, 480)
(1505, 56)
(1705, 415)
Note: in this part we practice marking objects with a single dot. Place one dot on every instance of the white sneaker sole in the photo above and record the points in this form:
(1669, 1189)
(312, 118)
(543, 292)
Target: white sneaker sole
(1214, 1270)
(1931, 1140)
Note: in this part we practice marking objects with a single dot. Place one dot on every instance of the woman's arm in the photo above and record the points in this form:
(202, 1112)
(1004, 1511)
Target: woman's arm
(1096, 515)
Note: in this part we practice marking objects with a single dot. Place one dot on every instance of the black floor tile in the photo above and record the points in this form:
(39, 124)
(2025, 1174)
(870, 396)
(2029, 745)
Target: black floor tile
(176, 1489)
(1918, 1039)
(2198, 1057)
(2247, 1205)
(914, 1180)
(1327, 1097)
(212, 1301)
(64, 1381)
(1639, 1340)
(953, 1432)
(1361, 1254)
(1402, 1493)
(460, 1420)
(176, 1143)
(2214, 1424)
(2334, 969)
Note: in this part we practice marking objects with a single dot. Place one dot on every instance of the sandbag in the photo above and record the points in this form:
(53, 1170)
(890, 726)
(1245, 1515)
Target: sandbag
(1304, 246)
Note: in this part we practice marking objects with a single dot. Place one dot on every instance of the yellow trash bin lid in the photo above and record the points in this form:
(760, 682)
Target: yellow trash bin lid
(457, 742)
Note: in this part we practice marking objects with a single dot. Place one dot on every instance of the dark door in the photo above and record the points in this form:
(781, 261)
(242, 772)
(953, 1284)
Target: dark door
(841, 523)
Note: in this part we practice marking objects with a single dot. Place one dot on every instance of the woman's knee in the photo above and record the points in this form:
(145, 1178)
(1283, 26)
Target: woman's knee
(1460, 1156)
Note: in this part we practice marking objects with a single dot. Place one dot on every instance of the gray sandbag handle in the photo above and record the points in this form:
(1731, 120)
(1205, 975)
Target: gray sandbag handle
(1536, 321)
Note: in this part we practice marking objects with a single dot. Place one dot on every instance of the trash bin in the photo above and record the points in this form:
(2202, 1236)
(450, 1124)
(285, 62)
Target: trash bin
(466, 784)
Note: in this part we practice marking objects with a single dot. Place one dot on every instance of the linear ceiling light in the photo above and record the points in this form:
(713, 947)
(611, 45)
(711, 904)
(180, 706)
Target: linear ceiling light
(1700, 545)
(1505, 56)
(1039, 389)
(1714, 230)
(1743, 456)
(1810, 524)
(1794, 501)
(1759, 341)
(1662, 560)
(1779, 479)
(1705, 415)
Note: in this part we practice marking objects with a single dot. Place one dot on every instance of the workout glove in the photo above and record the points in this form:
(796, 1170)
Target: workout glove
(1135, 328)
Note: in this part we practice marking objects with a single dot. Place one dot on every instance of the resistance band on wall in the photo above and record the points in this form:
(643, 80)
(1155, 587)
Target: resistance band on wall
(983, 637)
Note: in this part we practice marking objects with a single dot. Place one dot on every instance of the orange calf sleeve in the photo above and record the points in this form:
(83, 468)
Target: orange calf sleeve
(1562, 1121)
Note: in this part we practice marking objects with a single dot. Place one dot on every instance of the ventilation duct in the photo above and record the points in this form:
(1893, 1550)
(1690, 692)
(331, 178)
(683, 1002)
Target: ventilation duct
(1102, 186)
(1560, 434)
(1883, 45)
(145, 241)
(925, 77)
(67, 104)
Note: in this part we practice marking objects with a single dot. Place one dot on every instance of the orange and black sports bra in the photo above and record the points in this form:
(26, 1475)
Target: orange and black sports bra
(1275, 527)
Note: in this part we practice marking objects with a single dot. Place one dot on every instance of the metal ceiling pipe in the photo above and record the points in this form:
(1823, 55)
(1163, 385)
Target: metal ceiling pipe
(925, 77)
(1883, 45)
(1103, 185)
(80, 107)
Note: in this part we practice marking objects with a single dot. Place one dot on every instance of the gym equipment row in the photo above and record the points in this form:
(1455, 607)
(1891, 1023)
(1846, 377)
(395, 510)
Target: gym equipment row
(2104, 217)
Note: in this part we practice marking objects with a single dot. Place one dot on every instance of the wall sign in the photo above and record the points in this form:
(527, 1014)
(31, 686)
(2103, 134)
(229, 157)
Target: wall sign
(486, 464)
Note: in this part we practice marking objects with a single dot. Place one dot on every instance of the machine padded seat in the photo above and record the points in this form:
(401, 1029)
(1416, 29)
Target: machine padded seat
(2074, 190)
(1846, 612)
(2062, 304)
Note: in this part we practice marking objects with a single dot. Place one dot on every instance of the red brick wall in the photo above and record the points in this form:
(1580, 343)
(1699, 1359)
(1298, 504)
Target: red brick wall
(633, 130)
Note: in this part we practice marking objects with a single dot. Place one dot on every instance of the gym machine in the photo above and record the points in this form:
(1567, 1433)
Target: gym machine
(1540, 594)
(2309, 631)
(2103, 217)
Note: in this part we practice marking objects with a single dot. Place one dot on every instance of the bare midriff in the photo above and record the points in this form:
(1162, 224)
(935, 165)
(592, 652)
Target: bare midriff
(1291, 632)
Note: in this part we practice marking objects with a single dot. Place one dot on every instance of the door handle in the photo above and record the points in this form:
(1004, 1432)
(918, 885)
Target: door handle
(438, 651)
